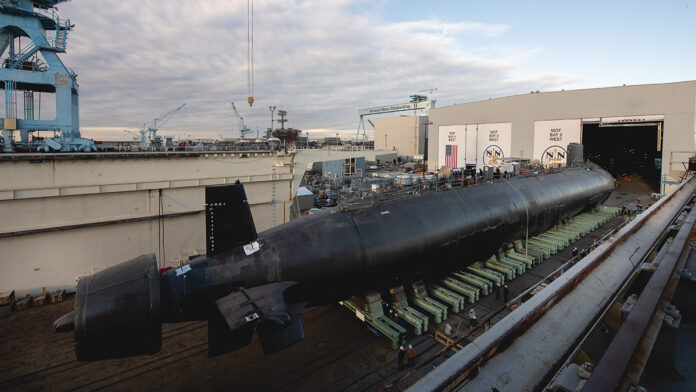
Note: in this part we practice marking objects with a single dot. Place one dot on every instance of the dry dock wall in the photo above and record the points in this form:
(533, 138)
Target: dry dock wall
(62, 217)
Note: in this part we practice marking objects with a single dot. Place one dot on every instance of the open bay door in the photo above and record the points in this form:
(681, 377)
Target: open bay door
(629, 147)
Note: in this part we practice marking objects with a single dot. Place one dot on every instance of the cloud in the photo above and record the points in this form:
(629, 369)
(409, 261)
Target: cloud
(319, 60)
(436, 27)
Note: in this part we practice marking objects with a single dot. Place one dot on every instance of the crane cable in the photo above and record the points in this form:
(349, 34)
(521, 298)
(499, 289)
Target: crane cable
(250, 51)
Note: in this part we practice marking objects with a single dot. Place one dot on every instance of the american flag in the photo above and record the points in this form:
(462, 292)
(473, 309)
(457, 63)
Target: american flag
(451, 156)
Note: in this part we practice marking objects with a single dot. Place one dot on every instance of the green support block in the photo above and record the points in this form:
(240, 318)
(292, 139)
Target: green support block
(495, 276)
(572, 234)
(561, 239)
(436, 309)
(519, 266)
(418, 296)
(407, 313)
(370, 311)
(552, 241)
(472, 281)
(494, 265)
(453, 299)
(540, 243)
(488, 282)
(528, 260)
(415, 318)
(544, 251)
(538, 255)
(461, 288)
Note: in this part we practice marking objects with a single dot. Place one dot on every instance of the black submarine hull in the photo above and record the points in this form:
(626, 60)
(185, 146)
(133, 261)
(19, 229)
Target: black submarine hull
(321, 259)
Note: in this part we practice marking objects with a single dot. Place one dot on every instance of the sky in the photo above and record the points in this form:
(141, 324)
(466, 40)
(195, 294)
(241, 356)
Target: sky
(323, 60)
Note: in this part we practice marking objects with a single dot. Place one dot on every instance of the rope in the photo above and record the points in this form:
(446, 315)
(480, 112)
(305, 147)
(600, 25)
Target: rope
(250, 47)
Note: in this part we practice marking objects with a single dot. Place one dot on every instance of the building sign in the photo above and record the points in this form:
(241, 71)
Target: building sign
(61, 79)
(494, 143)
(551, 139)
(451, 146)
(554, 156)
(390, 108)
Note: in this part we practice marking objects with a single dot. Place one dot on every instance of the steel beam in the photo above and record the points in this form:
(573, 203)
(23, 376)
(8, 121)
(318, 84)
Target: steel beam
(610, 370)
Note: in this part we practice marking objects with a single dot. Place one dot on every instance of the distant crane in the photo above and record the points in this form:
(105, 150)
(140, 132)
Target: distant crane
(149, 132)
(140, 136)
(243, 130)
(428, 90)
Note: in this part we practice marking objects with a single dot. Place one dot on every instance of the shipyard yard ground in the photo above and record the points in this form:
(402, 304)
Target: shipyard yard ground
(337, 354)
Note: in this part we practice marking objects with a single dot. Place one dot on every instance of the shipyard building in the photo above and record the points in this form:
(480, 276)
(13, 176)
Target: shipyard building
(403, 134)
(644, 129)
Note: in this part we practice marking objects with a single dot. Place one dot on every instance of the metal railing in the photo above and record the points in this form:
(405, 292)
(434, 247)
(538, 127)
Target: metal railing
(336, 148)
(374, 199)
(25, 53)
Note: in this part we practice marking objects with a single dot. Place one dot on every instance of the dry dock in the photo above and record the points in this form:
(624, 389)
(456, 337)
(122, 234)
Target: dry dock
(337, 354)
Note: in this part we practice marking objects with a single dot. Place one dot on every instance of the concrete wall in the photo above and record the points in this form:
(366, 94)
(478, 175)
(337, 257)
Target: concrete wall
(63, 218)
(676, 101)
(398, 133)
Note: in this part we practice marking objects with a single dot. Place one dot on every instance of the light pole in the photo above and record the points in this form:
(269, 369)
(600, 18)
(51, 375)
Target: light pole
(270, 131)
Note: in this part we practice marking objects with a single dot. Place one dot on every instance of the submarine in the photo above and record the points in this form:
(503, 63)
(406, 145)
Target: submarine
(249, 282)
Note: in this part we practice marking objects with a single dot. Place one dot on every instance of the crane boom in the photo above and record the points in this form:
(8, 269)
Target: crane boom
(149, 132)
(165, 117)
(243, 130)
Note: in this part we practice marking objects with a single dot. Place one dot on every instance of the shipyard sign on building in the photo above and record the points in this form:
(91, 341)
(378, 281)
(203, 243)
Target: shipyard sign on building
(551, 139)
(474, 144)
(494, 143)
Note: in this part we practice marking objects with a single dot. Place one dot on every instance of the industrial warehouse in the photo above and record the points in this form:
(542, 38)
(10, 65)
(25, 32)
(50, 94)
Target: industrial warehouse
(648, 129)
(538, 242)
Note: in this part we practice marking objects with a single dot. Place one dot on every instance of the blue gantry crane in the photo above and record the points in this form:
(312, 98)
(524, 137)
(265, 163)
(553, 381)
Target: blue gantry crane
(31, 37)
